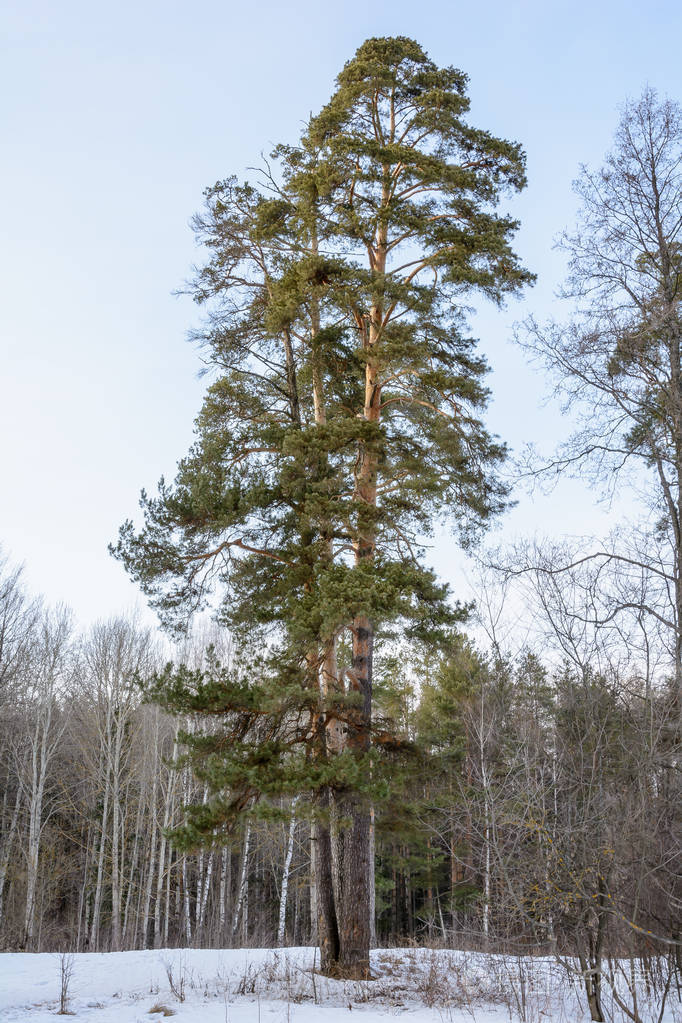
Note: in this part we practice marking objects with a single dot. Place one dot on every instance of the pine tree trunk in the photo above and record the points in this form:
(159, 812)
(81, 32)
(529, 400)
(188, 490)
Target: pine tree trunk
(351, 871)
(327, 923)
(351, 812)
(351, 822)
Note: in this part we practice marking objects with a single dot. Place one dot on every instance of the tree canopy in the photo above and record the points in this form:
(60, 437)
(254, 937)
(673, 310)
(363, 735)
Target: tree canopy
(344, 413)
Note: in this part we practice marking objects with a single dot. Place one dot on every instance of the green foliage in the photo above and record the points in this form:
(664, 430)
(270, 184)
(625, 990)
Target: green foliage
(267, 485)
(445, 696)
(341, 366)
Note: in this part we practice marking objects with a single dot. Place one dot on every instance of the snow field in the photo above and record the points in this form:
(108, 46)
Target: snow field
(280, 986)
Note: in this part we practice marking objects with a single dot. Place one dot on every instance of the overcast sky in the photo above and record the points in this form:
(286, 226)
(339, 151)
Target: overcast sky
(114, 119)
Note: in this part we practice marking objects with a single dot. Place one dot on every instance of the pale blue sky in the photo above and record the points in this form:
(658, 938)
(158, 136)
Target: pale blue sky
(113, 120)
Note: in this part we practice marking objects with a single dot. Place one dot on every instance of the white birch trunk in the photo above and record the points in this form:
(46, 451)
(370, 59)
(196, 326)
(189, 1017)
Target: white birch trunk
(198, 914)
(185, 883)
(133, 869)
(115, 838)
(148, 888)
(83, 908)
(151, 863)
(202, 895)
(166, 919)
(486, 824)
(200, 881)
(162, 872)
(223, 891)
(486, 877)
(185, 889)
(242, 907)
(313, 887)
(285, 875)
(43, 745)
(159, 890)
(94, 929)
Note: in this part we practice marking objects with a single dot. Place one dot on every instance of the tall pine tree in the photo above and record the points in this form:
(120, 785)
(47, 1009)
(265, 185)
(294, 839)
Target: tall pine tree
(344, 414)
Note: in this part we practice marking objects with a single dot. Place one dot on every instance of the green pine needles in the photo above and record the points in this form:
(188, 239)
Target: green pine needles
(343, 416)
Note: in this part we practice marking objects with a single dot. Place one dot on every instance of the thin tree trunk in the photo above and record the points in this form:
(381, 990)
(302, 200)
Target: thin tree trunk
(313, 886)
(486, 876)
(329, 741)
(115, 837)
(202, 895)
(133, 869)
(94, 928)
(159, 891)
(222, 897)
(285, 874)
(83, 896)
(40, 755)
(148, 888)
(185, 890)
(7, 847)
(241, 909)
(166, 919)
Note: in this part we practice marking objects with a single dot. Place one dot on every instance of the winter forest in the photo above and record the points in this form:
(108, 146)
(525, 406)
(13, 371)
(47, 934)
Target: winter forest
(323, 744)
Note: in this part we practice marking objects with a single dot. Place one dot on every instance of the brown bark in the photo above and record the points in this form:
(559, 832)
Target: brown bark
(327, 924)
(351, 830)
(351, 813)
(351, 821)
(321, 865)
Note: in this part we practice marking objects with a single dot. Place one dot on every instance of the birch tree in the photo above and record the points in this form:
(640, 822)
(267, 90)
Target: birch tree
(617, 359)
(285, 874)
(112, 656)
(46, 673)
(18, 619)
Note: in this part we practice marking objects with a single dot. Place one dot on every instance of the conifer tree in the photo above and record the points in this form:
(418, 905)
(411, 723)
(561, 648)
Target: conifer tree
(344, 414)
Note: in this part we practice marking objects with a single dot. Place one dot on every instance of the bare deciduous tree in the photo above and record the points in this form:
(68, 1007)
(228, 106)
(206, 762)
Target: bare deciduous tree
(617, 361)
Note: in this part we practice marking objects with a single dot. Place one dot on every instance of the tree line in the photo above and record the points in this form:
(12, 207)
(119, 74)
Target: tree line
(532, 809)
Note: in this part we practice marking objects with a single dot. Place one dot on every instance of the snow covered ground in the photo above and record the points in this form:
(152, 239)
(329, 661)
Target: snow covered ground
(280, 986)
